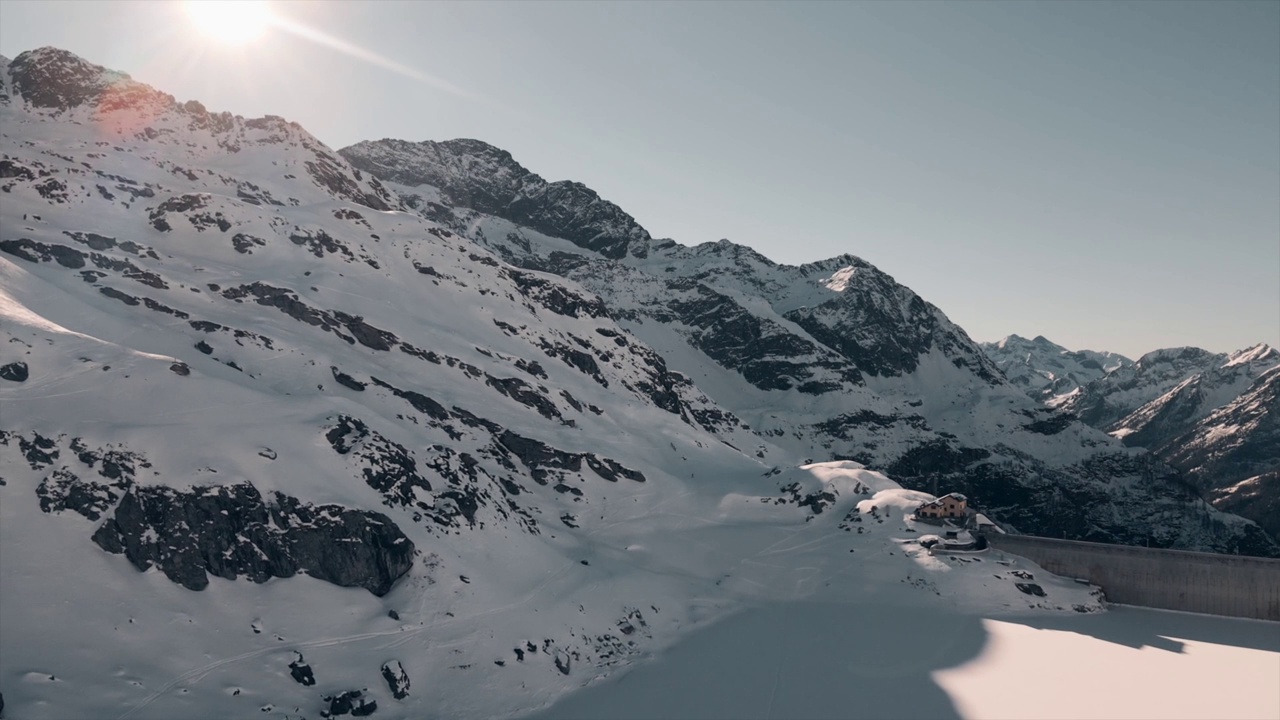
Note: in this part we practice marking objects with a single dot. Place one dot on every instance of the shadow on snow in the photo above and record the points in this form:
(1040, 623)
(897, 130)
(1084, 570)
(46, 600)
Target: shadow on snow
(1144, 627)
(794, 660)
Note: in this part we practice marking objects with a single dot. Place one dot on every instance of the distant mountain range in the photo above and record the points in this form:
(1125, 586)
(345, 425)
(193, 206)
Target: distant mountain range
(1047, 371)
(1213, 416)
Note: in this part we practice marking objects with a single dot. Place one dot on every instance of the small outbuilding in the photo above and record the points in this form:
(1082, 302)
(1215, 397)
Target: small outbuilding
(983, 524)
(952, 505)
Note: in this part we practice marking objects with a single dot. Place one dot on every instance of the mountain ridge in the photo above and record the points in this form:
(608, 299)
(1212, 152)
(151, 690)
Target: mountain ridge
(1175, 402)
(839, 332)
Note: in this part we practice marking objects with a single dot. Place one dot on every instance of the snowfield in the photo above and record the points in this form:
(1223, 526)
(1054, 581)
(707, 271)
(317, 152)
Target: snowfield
(118, 644)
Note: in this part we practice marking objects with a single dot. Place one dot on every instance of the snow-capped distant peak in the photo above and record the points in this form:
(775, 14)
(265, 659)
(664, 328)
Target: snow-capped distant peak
(1008, 340)
(1048, 371)
(1260, 353)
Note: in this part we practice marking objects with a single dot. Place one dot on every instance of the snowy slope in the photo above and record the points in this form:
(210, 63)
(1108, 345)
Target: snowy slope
(1109, 401)
(1156, 422)
(213, 386)
(1047, 371)
(830, 359)
(1210, 416)
(1144, 403)
(271, 437)
(1234, 453)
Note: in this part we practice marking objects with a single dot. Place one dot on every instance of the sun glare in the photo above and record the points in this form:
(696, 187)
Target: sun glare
(231, 22)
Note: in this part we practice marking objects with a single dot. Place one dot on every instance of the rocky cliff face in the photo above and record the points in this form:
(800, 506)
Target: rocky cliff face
(229, 531)
(476, 175)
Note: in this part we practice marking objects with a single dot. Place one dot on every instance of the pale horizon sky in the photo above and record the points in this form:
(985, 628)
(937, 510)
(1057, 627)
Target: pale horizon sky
(1104, 174)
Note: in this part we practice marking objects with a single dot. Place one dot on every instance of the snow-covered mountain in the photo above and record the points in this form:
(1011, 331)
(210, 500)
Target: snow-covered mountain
(1156, 422)
(1234, 452)
(1209, 415)
(1047, 371)
(1144, 404)
(279, 438)
(1110, 401)
(830, 359)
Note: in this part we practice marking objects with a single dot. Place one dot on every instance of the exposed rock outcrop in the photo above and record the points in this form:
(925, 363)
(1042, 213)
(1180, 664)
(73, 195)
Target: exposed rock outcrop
(229, 531)
(15, 372)
(397, 679)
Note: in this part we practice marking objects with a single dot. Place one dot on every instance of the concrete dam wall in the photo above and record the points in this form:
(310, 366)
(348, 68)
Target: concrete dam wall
(1232, 585)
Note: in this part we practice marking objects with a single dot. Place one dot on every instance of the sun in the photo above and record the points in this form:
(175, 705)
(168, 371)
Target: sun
(230, 22)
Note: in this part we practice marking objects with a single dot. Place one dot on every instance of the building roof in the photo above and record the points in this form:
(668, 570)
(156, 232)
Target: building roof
(957, 496)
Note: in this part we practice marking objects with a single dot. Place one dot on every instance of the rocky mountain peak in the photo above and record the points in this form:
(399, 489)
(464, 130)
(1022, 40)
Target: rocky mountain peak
(1048, 371)
(1261, 353)
(720, 249)
(476, 175)
(444, 164)
(51, 81)
(49, 77)
(1011, 342)
(832, 264)
(1014, 341)
(1176, 355)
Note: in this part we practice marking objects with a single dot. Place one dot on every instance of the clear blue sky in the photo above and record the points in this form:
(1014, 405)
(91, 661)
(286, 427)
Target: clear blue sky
(1104, 174)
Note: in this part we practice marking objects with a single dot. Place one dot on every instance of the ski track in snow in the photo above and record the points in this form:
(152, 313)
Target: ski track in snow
(200, 673)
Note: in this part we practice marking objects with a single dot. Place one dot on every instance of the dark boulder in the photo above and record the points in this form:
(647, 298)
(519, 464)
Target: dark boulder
(301, 672)
(397, 679)
(15, 372)
(1030, 589)
(351, 702)
(346, 380)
